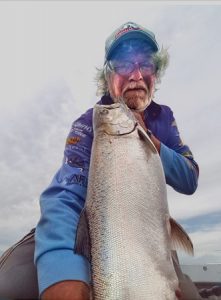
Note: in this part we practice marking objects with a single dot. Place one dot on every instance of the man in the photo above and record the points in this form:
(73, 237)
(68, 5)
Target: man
(133, 66)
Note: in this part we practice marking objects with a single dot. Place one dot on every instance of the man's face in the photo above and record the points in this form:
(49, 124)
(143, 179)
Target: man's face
(133, 78)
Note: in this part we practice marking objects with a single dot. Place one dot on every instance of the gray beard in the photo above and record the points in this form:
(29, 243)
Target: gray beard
(137, 103)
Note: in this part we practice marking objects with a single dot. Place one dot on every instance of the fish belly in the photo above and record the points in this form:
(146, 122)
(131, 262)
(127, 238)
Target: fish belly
(127, 211)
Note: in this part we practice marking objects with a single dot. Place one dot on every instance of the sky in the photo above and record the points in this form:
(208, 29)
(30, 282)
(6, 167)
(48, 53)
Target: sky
(48, 58)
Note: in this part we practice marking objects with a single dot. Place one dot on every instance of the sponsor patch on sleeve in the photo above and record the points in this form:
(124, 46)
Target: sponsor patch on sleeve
(77, 179)
(76, 161)
(73, 140)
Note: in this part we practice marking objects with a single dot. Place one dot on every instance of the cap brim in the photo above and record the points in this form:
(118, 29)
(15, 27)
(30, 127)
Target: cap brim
(132, 35)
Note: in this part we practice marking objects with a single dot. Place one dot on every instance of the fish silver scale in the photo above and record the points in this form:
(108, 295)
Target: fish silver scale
(127, 212)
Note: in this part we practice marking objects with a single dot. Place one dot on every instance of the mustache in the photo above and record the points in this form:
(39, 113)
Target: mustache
(134, 86)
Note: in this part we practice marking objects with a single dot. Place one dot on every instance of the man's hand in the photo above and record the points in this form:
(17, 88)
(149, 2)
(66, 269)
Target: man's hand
(67, 290)
(140, 119)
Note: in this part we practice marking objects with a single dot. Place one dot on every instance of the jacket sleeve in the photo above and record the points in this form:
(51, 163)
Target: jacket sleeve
(181, 170)
(61, 204)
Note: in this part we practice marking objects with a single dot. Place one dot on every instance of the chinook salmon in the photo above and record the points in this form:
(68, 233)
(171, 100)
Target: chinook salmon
(125, 229)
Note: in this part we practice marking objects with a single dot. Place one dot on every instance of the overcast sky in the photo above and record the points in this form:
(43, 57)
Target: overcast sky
(48, 58)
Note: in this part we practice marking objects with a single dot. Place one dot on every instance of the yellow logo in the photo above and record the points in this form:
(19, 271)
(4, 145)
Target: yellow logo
(72, 140)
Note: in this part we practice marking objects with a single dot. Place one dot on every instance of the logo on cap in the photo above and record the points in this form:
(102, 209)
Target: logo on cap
(126, 28)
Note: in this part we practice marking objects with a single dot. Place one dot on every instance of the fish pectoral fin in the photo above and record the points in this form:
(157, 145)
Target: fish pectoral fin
(144, 137)
(82, 241)
(179, 237)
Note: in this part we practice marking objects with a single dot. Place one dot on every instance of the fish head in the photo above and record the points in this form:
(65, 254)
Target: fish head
(114, 119)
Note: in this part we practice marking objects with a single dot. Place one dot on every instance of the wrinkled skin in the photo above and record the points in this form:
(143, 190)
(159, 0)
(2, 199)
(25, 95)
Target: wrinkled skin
(136, 89)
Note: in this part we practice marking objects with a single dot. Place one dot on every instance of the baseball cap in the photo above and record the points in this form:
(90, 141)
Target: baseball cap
(129, 30)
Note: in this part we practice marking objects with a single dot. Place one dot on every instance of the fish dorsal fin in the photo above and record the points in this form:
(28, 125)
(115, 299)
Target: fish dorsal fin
(179, 237)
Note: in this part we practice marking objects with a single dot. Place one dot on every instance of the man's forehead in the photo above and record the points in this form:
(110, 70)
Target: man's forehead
(132, 49)
(136, 56)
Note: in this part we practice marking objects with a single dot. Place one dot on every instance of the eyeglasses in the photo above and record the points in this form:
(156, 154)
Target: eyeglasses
(125, 68)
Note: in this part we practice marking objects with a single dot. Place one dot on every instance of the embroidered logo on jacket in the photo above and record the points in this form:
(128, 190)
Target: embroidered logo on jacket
(73, 179)
(76, 161)
(73, 140)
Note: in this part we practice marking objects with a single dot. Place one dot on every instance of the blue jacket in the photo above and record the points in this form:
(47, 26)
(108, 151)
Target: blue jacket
(62, 202)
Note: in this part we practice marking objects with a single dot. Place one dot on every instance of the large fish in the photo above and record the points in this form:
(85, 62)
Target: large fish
(125, 229)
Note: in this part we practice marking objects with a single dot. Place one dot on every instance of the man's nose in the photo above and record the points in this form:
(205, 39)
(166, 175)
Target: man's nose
(136, 74)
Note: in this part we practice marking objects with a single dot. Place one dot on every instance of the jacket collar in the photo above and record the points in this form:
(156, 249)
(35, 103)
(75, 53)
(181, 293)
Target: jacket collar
(152, 111)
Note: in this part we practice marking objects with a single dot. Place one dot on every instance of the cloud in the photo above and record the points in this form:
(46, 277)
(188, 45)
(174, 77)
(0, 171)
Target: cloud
(34, 123)
(204, 201)
(206, 243)
(32, 143)
(205, 232)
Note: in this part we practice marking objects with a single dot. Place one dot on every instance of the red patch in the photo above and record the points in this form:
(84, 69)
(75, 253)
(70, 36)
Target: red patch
(124, 30)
